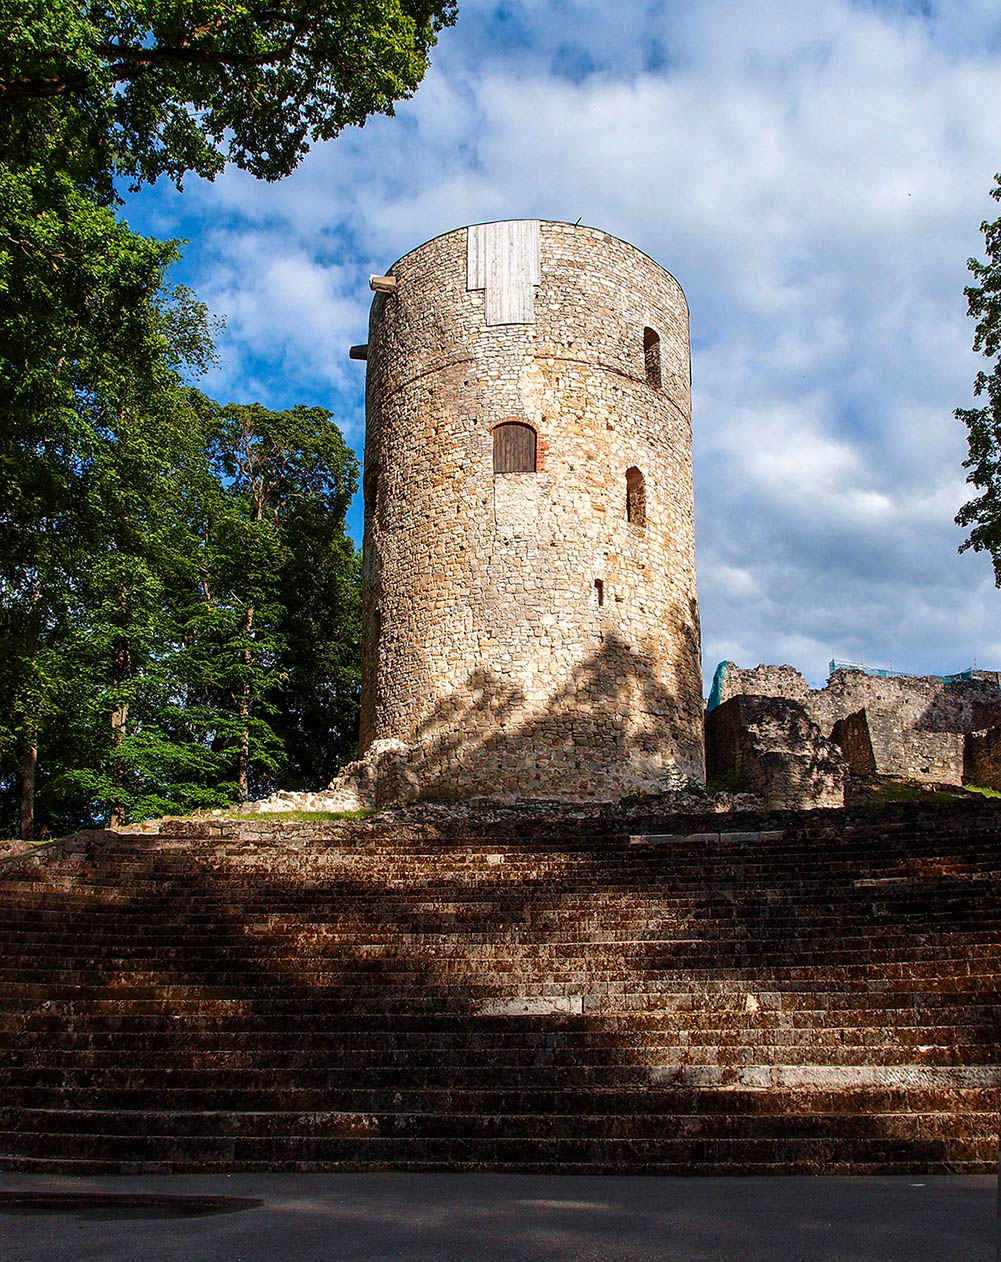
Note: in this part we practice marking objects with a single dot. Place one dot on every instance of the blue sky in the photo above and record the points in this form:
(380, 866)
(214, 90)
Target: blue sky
(814, 172)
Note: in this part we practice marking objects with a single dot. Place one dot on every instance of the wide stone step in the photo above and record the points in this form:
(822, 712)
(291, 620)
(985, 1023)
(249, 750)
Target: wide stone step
(664, 1127)
(340, 919)
(308, 1091)
(754, 1068)
(532, 1022)
(243, 994)
(603, 962)
(799, 1153)
(541, 1071)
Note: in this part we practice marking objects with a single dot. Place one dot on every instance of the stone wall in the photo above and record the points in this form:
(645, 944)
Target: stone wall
(982, 760)
(915, 725)
(769, 746)
(852, 735)
(523, 637)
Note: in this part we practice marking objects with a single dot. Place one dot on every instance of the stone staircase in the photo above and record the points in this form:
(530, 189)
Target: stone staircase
(814, 992)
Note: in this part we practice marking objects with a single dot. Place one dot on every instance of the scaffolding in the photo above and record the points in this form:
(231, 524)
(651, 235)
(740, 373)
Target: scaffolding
(879, 673)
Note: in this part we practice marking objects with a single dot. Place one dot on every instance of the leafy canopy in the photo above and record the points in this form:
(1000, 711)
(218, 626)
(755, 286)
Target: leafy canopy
(983, 513)
(163, 87)
(179, 604)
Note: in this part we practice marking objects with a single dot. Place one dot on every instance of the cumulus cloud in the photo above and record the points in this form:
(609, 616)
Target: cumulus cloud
(814, 174)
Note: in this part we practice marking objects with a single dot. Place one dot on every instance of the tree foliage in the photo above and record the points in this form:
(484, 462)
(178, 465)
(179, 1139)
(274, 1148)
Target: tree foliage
(157, 668)
(154, 87)
(982, 515)
(179, 606)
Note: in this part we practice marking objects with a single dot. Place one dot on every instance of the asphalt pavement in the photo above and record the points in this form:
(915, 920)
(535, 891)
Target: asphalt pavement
(420, 1217)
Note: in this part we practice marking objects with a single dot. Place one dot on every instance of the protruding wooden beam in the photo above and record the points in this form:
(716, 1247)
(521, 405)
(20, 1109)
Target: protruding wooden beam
(382, 284)
(358, 352)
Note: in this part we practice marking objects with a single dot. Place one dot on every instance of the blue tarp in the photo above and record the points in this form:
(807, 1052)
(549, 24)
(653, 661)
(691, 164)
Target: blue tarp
(716, 692)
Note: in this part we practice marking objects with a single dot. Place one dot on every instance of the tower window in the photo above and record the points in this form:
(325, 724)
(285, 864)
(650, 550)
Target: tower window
(651, 357)
(599, 591)
(370, 490)
(514, 448)
(635, 497)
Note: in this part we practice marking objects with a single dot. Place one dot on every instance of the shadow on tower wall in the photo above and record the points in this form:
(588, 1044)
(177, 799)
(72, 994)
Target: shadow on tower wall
(610, 728)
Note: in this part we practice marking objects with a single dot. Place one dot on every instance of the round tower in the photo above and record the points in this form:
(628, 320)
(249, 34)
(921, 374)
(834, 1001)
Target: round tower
(531, 625)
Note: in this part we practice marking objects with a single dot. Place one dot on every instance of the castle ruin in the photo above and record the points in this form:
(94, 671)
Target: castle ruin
(770, 733)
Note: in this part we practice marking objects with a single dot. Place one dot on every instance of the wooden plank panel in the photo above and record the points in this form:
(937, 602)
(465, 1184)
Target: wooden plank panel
(503, 258)
(476, 254)
(512, 269)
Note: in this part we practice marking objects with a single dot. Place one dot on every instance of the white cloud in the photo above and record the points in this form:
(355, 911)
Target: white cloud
(814, 174)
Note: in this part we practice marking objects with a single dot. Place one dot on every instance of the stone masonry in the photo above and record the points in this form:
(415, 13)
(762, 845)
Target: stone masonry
(915, 727)
(530, 633)
(770, 747)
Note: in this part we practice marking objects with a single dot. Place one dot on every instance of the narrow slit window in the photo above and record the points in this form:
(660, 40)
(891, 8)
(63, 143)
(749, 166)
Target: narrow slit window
(514, 448)
(599, 591)
(635, 497)
(651, 357)
(370, 491)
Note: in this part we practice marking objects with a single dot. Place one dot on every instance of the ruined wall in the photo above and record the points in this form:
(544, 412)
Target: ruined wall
(915, 725)
(770, 747)
(982, 758)
(522, 636)
(851, 735)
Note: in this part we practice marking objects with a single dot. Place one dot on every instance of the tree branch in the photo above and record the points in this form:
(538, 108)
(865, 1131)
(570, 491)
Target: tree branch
(127, 63)
(33, 89)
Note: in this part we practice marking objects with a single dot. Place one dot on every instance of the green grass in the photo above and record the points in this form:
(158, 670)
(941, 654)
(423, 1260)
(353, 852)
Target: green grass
(890, 791)
(982, 790)
(314, 817)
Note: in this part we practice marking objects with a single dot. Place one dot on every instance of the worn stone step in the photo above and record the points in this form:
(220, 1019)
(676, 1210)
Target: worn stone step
(662, 1128)
(556, 1001)
(260, 1091)
(144, 1088)
(800, 1153)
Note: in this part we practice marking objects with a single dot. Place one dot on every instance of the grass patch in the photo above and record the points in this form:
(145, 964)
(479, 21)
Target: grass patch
(310, 817)
(982, 790)
(891, 791)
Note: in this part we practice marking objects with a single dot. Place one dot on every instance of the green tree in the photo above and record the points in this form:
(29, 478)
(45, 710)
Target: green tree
(91, 347)
(104, 662)
(152, 87)
(124, 632)
(317, 699)
(982, 515)
(276, 619)
(200, 641)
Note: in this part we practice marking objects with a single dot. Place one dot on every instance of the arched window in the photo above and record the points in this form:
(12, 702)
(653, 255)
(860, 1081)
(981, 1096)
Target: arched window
(514, 448)
(651, 357)
(635, 497)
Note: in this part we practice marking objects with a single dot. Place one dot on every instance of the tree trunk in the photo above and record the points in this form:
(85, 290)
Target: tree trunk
(116, 812)
(29, 729)
(243, 765)
(29, 765)
(121, 667)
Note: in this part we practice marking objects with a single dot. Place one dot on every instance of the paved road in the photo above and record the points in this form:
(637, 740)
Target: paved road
(420, 1218)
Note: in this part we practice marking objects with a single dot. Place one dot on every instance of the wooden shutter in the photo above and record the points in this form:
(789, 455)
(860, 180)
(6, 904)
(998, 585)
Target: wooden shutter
(514, 448)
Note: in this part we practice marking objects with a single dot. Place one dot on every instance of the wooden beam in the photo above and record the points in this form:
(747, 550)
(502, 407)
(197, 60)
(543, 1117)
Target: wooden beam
(382, 284)
(358, 352)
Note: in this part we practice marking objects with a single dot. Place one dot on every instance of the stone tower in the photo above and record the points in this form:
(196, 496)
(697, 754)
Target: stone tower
(531, 625)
